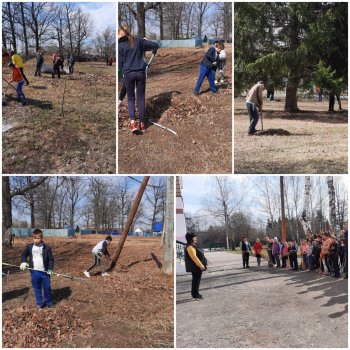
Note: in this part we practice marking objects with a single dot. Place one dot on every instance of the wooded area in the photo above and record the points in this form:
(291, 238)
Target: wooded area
(229, 211)
(28, 27)
(291, 46)
(177, 20)
(97, 203)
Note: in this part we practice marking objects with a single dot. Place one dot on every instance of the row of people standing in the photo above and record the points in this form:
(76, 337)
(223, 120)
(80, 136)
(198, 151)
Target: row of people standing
(324, 253)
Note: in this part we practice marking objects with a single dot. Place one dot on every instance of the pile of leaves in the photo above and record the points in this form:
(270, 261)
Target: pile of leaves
(31, 327)
(273, 132)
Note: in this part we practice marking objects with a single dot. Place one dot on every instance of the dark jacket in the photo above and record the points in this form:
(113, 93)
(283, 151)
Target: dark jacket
(190, 264)
(210, 57)
(131, 59)
(47, 256)
(39, 60)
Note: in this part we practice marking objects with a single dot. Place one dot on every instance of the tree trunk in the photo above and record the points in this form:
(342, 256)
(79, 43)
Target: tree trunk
(305, 216)
(331, 198)
(291, 104)
(141, 19)
(35, 28)
(169, 226)
(284, 230)
(12, 26)
(6, 211)
(24, 31)
(161, 22)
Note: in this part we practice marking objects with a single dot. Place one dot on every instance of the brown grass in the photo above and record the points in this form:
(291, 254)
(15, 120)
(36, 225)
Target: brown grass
(318, 143)
(81, 140)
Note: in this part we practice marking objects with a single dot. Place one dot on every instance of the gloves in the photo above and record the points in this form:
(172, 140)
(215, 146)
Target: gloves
(154, 51)
(24, 266)
(214, 64)
(49, 272)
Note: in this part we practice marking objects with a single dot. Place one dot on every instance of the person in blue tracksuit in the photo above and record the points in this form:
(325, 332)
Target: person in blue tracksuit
(41, 262)
(208, 68)
(132, 63)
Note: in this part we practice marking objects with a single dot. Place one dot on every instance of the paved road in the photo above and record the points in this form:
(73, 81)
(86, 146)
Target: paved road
(260, 307)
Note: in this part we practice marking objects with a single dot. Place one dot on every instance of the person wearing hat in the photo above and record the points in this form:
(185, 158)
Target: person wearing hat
(254, 102)
(195, 263)
(99, 249)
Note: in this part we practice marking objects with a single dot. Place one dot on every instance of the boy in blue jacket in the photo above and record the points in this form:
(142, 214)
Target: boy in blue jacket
(208, 68)
(41, 262)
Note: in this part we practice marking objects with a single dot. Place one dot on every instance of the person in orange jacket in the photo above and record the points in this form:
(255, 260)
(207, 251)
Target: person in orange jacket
(17, 76)
(257, 250)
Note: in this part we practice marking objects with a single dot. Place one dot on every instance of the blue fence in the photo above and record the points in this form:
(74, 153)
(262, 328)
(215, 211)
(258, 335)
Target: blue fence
(179, 43)
(27, 232)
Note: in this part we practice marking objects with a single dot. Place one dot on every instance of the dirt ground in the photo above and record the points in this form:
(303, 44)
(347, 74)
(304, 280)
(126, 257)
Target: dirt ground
(203, 123)
(317, 144)
(39, 138)
(260, 307)
(133, 307)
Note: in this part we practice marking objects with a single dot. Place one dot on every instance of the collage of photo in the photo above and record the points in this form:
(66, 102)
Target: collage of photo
(174, 174)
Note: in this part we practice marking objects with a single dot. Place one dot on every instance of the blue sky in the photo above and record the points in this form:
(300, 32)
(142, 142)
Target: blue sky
(196, 188)
(103, 14)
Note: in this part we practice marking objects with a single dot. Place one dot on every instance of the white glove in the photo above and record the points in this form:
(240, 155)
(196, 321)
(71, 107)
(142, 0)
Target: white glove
(24, 266)
(214, 64)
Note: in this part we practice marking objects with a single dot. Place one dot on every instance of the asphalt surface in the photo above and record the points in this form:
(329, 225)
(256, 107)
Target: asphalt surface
(260, 307)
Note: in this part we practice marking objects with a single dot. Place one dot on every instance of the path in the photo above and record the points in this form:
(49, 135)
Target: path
(260, 307)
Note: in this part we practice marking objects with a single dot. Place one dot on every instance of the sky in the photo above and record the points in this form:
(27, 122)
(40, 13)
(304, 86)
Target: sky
(196, 188)
(103, 14)
(133, 187)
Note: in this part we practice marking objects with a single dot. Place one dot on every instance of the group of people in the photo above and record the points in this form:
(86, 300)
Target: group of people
(325, 253)
(38, 258)
(16, 66)
(58, 64)
(132, 66)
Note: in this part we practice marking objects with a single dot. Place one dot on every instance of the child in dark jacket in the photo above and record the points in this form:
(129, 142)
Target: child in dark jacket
(41, 263)
(132, 63)
(208, 68)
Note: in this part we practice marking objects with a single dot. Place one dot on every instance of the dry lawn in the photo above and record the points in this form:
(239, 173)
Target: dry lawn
(203, 123)
(131, 308)
(40, 138)
(318, 141)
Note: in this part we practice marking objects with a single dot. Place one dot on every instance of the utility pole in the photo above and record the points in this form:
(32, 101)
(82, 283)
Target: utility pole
(129, 222)
(169, 226)
(284, 230)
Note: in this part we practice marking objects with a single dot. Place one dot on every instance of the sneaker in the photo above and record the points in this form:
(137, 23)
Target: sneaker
(196, 93)
(24, 103)
(50, 306)
(105, 274)
(87, 274)
(143, 127)
(133, 126)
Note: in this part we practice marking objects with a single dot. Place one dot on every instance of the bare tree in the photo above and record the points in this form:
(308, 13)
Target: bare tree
(7, 196)
(223, 201)
(155, 197)
(105, 43)
(331, 200)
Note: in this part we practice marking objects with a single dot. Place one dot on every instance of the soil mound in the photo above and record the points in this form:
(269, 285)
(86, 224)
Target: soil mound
(273, 132)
